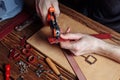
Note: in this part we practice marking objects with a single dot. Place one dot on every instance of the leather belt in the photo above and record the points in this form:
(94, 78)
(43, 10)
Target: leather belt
(74, 65)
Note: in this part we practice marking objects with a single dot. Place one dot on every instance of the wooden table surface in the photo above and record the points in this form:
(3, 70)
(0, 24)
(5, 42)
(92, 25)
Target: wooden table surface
(13, 39)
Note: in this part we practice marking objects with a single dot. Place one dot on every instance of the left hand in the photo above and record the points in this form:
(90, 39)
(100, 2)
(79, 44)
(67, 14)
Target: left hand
(42, 7)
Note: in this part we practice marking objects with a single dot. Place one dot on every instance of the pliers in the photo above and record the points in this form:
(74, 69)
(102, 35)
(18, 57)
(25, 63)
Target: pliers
(51, 18)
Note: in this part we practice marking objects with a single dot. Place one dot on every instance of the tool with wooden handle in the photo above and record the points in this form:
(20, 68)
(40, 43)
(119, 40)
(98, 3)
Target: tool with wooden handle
(53, 66)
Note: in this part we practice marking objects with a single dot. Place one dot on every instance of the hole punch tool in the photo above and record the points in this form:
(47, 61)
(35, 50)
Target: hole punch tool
(51, 18)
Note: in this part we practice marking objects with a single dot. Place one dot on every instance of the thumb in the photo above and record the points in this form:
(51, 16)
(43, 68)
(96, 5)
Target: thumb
(66, 45)
(71, 36)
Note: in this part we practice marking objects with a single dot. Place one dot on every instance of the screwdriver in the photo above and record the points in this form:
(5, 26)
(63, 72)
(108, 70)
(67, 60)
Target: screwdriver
(53, 66)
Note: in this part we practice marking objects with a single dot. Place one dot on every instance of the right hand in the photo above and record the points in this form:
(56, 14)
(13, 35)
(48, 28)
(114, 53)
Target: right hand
(80, 43)
(42, 7)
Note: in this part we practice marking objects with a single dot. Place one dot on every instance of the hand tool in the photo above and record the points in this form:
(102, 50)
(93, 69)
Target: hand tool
(51, 18)
(4, 73)
(53, 66)
(7, 72)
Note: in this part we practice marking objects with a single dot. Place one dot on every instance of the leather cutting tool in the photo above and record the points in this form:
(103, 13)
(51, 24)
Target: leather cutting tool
(51, 18)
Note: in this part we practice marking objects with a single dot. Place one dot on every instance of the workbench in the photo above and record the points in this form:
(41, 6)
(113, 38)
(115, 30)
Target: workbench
(13, 39)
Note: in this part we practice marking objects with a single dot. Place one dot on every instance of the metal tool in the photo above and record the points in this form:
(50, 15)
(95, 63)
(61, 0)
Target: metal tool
(23, 67)
(53, 23)
(53, 66)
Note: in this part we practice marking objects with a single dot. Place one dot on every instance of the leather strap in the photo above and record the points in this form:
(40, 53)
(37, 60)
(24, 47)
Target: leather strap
(74, 65)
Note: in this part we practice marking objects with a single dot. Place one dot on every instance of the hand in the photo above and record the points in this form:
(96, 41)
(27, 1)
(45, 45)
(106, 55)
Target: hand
(42, 7)
(80, 44)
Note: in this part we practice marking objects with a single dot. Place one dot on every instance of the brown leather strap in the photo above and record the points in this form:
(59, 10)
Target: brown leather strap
(74, 65)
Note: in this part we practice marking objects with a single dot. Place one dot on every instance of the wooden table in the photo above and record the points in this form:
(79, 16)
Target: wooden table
(13, 39)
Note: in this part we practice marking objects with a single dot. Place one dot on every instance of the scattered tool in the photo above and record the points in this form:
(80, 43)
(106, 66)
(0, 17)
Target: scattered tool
(53, 66)
(53, 23)
(7, 72)
(23, 67)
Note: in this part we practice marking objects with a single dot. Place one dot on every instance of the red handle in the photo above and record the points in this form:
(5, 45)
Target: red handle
(7, 72)
(49, 16)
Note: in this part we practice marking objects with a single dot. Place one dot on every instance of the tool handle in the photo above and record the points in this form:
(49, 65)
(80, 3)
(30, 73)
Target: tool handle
(51, 15)
(52, 66)
(51, 18)
(7, 72)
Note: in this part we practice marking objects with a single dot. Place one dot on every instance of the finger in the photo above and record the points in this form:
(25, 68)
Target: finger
(45, 11)
(55, 5)
(61, 30)
(68, 30)
(66, 45)
(73, 51)
(71, 36)
(37, 8)
(77, 53)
